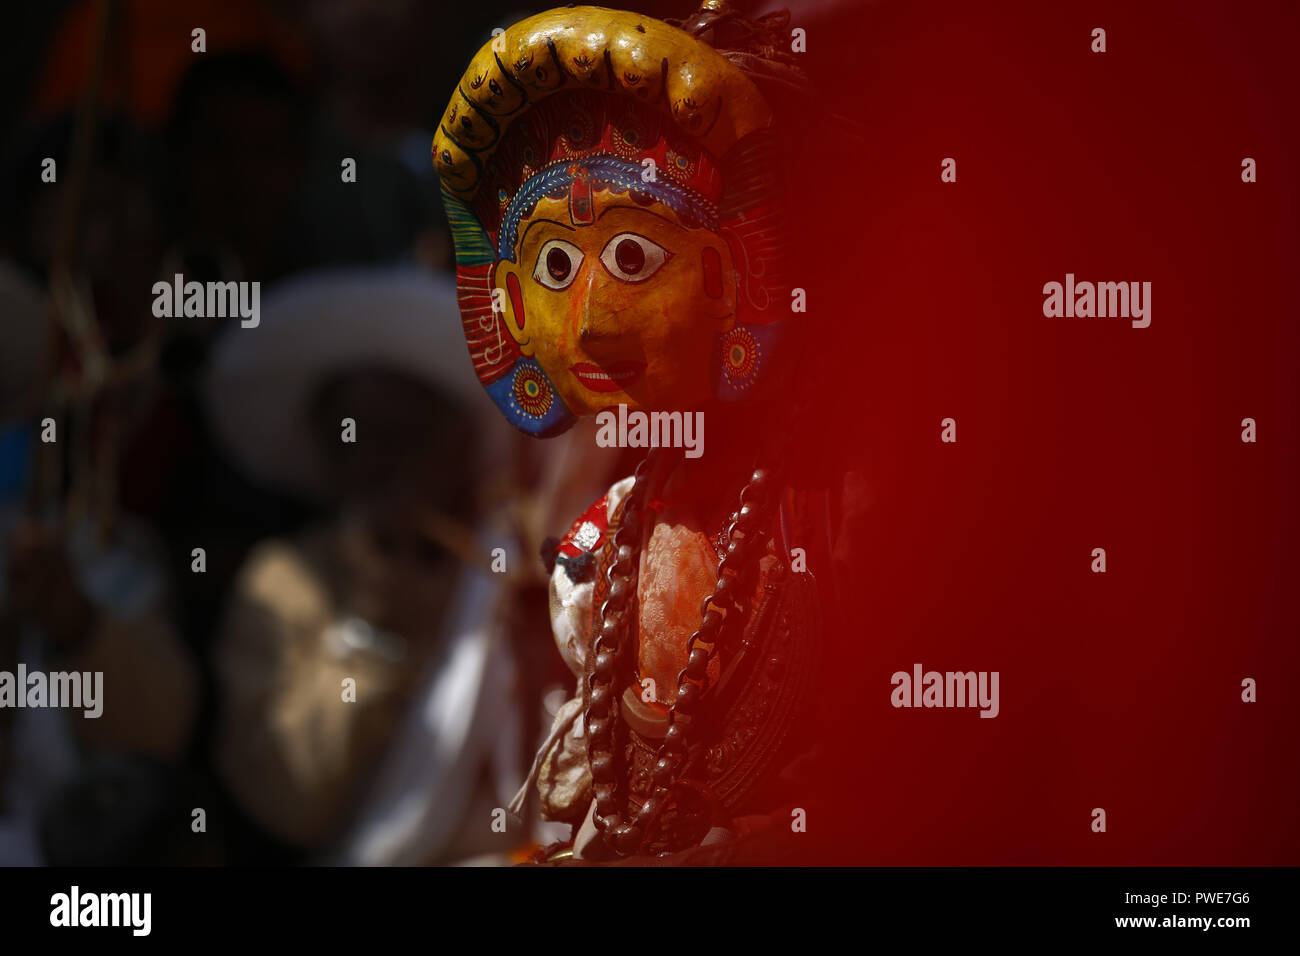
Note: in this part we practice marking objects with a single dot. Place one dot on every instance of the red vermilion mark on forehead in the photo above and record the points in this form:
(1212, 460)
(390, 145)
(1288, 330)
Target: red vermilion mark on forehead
(581, 207)
(711, 261)
(516, 299)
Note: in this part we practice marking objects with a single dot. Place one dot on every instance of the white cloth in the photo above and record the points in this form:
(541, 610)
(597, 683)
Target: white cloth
(464, 716)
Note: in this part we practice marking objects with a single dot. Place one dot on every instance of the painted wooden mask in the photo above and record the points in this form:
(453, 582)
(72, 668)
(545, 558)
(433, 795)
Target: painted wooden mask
(609, 182)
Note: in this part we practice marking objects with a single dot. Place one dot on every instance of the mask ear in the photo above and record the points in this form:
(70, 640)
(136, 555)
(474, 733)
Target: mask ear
(718, 268)
(742, 354)
(514, 381)
(524, 394)
(508, 302)
(529, 401)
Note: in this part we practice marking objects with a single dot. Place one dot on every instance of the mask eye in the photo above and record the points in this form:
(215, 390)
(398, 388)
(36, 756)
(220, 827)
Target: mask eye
(557, 264)
(633, 258)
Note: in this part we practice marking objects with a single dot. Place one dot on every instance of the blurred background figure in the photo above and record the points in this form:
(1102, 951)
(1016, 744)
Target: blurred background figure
(374, 64)
(321, 559)
(363, 658)
(84, 588)
(267, 184)
(237, 149)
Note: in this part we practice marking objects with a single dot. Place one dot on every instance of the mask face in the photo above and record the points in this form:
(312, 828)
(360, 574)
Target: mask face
(623, 304)
(606, 258)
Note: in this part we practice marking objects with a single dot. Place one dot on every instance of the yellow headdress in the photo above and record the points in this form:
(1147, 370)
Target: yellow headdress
(595, 49)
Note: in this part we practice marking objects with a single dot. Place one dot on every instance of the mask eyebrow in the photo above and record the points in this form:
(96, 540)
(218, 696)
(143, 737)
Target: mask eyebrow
(535, 222)
(648, 212)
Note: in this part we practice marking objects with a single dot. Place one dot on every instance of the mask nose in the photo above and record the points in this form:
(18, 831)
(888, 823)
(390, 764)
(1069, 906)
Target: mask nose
(591, 331)
(594, 322)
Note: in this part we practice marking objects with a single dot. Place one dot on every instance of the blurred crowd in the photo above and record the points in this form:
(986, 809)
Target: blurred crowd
(317, 647)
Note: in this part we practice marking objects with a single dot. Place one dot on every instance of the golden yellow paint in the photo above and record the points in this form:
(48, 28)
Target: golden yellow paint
(651, 331)
(706, 95)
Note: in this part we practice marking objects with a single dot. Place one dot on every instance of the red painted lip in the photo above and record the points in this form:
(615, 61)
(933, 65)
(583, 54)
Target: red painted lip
(607, 378)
